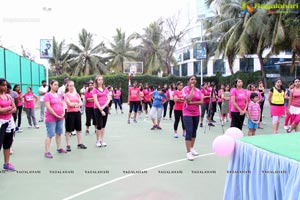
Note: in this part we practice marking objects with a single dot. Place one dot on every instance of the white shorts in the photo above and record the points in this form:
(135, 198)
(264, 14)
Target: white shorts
(156, 113)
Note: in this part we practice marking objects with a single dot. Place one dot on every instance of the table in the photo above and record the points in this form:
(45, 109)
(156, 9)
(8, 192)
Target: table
(265, 167)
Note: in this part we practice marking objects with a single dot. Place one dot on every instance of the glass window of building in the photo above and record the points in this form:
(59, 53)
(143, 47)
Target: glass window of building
(271, 67)
(187, 55)
(197, 68)
(246, 64)
(176, 70)
(219, 66)
(184, 69)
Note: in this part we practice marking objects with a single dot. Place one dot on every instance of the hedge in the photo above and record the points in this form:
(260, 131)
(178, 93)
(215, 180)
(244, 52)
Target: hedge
(121, 80)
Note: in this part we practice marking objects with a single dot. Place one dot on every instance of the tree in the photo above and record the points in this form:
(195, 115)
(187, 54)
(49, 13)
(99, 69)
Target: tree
(174, 35)
(152, 49)
(251, 33)
(120, 50)
(85, 58)
(59, 63)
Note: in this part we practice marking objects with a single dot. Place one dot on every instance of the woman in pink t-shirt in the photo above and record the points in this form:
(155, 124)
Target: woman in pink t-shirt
(29, 100)
(7, 107)
(178, 106)
(191, 115)
(101, 101)
(89, 107)
(239, 104)
(54, 118)
(73, 116)
(147, 101)
(294, 106)
(19, 104)
(117, 99)
(133, 101)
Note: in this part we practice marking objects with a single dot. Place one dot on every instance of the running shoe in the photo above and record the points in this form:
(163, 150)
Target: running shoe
(87, 132)
(36, 126)
(194, 152)
(61, 150)
(201, 125)
(103, 144)
(190, 156)
(213, 121)
(48, 155)
(81, 146)
(20, 130)
(175, 135)
(158, 127)
(210, 124)
(128, 121)
(68, 148)
(134, 121)
(153, 127)
(9, 167)
(98, 144)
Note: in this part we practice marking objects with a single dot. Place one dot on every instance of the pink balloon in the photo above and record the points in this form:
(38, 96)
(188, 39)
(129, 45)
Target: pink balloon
(234, 132)
(223, 145)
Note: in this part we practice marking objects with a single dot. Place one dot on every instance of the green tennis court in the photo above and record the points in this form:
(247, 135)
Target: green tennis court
(138, 163)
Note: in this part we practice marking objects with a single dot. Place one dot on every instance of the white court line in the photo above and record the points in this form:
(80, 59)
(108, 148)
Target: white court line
(129, 175)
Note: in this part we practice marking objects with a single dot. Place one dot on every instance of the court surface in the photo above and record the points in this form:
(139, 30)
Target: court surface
(138, 163)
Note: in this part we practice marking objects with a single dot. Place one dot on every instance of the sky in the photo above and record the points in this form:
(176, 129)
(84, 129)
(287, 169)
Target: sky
(26, 22)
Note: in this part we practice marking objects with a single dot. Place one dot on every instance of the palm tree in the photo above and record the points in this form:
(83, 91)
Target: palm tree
(153, 49)
(85, 57)
(59, 63)
(225, 28)
(250, 34)
(120, 50)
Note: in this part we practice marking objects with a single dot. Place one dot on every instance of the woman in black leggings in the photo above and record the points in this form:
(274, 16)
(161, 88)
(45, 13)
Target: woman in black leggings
(179, 100)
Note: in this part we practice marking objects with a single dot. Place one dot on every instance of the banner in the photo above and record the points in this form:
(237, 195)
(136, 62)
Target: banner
(200, 51)
(46, 48)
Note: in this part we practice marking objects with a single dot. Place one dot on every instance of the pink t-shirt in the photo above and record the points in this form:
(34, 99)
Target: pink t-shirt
(254, 110)
(220, 92)
(19, 99)
(240, 99)
(88, 95)
(147, 97)
(5, 104)
(250, 92)
(178, 105)
(134, 94)
(29, 100)
(191, 110)
(117, 94)
(101, 96)
(73, 98)
(205, 92)
(296, 98)
(56, 103)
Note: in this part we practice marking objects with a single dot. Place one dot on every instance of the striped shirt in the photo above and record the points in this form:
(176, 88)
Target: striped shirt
(253, 110)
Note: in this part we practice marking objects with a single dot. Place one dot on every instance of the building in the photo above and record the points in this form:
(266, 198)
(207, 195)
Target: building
(187, 52)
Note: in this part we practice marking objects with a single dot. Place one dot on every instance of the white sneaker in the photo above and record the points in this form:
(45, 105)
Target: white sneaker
(36, 126)
(194, 152)
(190, 156)
(98, 144)
(175, 135)
(286, 127)
(29, 126)
(103, 144)
(20, 130)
